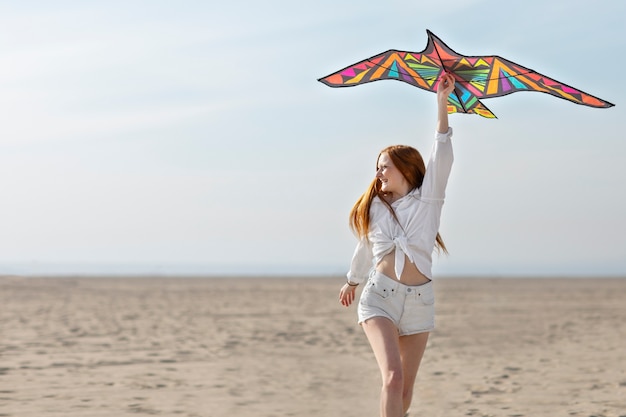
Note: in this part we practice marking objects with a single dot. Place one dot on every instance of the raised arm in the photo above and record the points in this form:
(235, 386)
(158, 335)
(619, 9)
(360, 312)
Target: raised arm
(445, 87)
(441, 156)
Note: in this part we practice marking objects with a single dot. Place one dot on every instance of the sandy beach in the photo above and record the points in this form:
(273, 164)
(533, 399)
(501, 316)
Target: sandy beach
(277, 347)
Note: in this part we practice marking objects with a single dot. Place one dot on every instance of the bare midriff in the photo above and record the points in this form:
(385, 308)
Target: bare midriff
(410, 275)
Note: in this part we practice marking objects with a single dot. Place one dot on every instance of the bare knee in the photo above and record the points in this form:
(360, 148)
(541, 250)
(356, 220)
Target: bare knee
(393, 381)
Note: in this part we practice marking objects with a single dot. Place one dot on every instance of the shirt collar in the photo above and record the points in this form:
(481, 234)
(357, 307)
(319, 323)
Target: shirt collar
(413, 194)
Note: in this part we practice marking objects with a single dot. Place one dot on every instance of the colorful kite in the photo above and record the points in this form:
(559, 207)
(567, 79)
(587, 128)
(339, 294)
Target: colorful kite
(476, 76)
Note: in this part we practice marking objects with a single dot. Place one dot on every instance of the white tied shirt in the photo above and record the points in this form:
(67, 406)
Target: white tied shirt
(418, 213)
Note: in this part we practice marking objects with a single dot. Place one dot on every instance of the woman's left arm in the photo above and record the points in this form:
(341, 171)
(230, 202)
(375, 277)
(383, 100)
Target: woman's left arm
(445, 87)
(441, 157)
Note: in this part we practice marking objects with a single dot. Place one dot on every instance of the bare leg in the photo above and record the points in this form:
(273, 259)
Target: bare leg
(412, 349)
(385, 342)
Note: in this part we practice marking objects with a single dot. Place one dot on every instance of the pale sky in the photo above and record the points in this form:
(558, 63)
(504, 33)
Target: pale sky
(193, 136)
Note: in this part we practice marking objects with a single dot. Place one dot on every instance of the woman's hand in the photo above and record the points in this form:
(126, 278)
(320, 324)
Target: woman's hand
(445, 87)
(347, 294)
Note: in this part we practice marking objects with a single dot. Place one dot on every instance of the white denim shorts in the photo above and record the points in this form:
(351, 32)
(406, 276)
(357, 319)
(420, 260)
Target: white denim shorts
(410, 308)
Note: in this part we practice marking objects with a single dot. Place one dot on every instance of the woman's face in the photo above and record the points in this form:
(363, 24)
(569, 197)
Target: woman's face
(390, 177)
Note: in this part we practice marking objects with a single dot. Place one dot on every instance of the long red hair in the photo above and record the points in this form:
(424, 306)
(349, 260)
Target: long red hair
(410, 163)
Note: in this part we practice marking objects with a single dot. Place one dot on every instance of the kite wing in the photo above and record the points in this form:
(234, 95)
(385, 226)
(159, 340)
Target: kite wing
(476, 77)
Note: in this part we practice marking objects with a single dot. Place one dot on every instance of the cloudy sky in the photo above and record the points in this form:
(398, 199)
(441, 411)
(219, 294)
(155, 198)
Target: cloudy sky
(193, 137)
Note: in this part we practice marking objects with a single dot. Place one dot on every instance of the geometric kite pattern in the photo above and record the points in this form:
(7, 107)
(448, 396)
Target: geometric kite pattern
(476, 77)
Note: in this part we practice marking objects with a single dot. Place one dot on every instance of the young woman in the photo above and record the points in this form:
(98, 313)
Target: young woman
(397, 222)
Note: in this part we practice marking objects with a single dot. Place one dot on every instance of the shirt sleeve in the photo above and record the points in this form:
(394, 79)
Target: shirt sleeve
(362, 262)
(438, 168)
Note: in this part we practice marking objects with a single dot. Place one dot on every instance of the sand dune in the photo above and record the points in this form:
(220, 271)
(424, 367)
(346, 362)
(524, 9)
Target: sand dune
(281, 347)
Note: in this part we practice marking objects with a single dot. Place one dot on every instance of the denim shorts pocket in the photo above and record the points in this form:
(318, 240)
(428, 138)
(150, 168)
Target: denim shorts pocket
(427, 296)
(382, 289)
